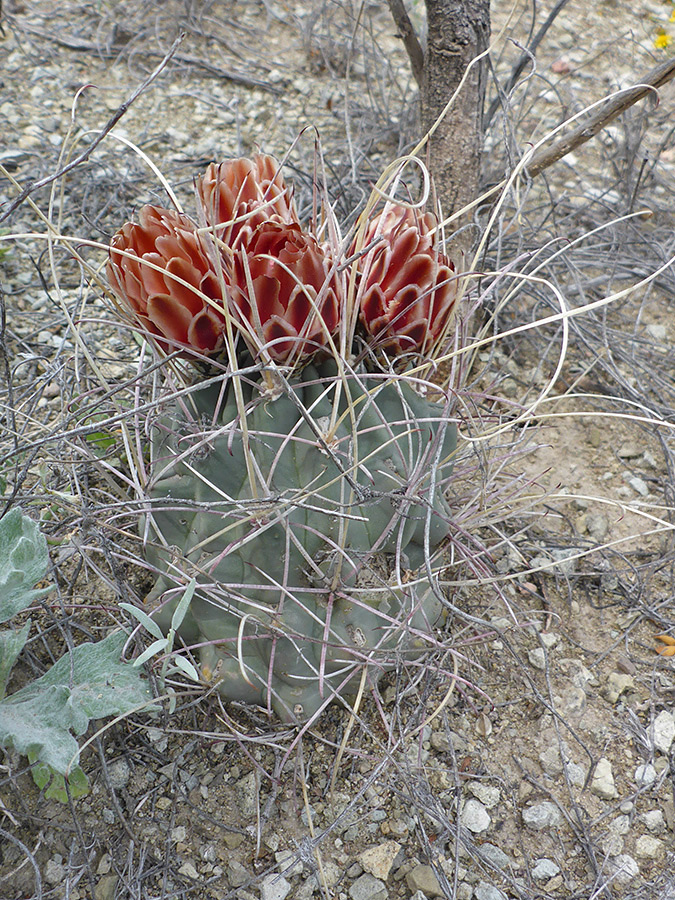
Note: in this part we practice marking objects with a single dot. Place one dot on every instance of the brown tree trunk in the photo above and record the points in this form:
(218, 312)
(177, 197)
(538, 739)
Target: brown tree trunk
(457, 32)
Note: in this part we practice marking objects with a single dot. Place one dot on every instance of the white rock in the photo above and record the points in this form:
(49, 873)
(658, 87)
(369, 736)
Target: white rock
(548, 639)
(663, 731)
(488, 794)
(423, 878)
(654, 821)
(542, 815)
(645, 775)
(617, 683)
(565, 560)
(485, 891)
(545, 869)
(624, 869)
(274, 887)
(475, 817)
(247, 791)
(378, 860)
(639, 485)
(537, 658)
(620, 825)
(494, 855)
(55, 871)
(189, 870)
(288, 863)
(236, 873)
(603, 781)
(658, 332)
(576, 774)
(612, 844)
(119, 774)
(551, 762)
(647, 847)
(367, 887)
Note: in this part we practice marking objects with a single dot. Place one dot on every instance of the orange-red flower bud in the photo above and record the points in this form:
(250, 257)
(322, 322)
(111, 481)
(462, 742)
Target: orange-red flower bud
(284, 292)
(167, 280)
(407, 288)
(239, 194)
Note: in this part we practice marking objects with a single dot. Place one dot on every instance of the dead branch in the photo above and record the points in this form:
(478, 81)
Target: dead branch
(408, 35)
(600, 118)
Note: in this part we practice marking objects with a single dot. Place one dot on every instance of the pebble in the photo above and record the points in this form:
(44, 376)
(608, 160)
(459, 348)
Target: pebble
(566, 564)
(544, 869)
(612, 844)
(658, 332)
(488, 794)
(603, 781)
(549, 639)
(275, 887)
(485, 891)
(663, 731)
(624, 869)
(617, 683)
(629, 450)
(307, 889)
(597, 526)
(378, 860)
(537, 658)
(367, 887)
(55, 871)
(620, 825)
(494, 855)
(576, 774)
(639, 485)
(236, 873)
(118, 774)
(542, 815)
(654, 820)
(475, 816)
(661, 764)
(189, 870)
(423, 878)
(441, 741)
(106, 887)
(645, 775)
(247, 790)
(573, 701)
(551, 762)
(288, 863)
(647, 847)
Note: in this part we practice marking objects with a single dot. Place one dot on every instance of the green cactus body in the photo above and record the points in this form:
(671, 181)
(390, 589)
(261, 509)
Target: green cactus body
(320, 567)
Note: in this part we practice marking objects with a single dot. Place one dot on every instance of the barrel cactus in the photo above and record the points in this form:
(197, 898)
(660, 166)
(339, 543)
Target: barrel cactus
(299, 480)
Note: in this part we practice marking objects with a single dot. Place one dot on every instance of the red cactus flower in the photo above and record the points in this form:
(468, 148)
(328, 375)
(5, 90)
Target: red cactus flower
(177, 312)
(407, 287)
(284, 293)
(240, 194)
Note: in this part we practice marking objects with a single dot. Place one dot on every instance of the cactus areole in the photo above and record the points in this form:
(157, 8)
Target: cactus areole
(305, 495)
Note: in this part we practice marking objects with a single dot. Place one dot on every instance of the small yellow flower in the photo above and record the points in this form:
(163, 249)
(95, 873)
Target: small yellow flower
(672, 16)
(662, 41)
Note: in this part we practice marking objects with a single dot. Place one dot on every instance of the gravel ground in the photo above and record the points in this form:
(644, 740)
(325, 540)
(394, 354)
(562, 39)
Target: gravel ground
(550, 770)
